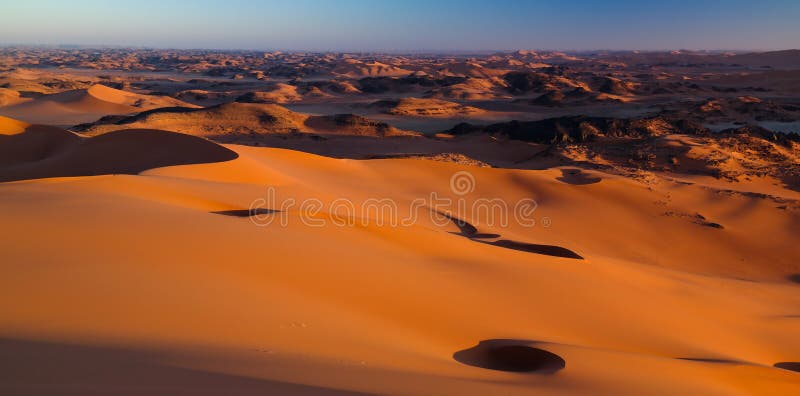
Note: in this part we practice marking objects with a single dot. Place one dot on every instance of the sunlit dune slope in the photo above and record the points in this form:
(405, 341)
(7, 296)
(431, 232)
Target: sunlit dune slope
(419, 107)
(84, 105)
(162, 280)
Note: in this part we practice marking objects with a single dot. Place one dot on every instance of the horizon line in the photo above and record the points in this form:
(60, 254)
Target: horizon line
(386, 51)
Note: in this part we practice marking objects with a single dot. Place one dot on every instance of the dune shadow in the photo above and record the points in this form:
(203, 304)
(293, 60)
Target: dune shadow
(510, 355)
(700, 219)
(791, 366)
(710, 360)
(470, 231)
(548, 250)
(696, 218)
(246, 212)
(44, 152)
(577, 177)
(485, 235)
(47, 368)
(794, 278)
(466, 229)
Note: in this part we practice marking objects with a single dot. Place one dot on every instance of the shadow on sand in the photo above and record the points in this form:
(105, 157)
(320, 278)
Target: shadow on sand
(791, 366)
(510, 355)
(468, 230)
(710, 360)
(246, 212)
(577, 177)
(48, 368)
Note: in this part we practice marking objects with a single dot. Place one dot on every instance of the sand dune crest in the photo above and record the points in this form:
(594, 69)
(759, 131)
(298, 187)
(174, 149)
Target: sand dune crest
(84, 105)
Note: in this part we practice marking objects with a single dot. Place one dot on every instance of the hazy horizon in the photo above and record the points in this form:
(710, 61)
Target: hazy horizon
(405, 27)
(391, 52)
(67, 46)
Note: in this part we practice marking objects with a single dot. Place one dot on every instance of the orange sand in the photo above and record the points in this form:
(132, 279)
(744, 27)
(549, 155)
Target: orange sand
(129, 284)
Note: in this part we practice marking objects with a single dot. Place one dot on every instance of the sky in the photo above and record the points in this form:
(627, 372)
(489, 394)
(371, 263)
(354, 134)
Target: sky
(402, 26)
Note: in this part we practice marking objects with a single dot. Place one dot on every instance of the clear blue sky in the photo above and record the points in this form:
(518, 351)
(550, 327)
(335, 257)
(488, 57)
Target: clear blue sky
(382, 25)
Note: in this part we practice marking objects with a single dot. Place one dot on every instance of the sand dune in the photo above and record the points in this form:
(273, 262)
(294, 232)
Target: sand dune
(349, 124)
(469, 69)
(296, 304)
(84, 105)
(773, 79)
(203, 97)
(42, 81)
(211, 121)
(729, 110)
(575, 96)
(533, 81)
(235, 120)
(356, 68)
(10, 97)
(783, 59)
(42, 151)
(419, 107)
(612, 85)
(472, 89)
(21, 143)
(10, 126)
(786, 59)
(281, 93)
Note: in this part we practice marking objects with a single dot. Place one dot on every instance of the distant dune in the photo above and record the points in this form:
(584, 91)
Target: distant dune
(232, 119)
(786, 59)
(280, 93)
(356, 68)
(10, 97)
(425, 107)
(468, 69)
(472, 89)
(84, 105)
(771, 79)
(203, 97)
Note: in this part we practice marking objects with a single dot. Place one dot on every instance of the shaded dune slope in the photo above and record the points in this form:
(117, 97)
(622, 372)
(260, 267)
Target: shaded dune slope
(43, 151)
(130, 371)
